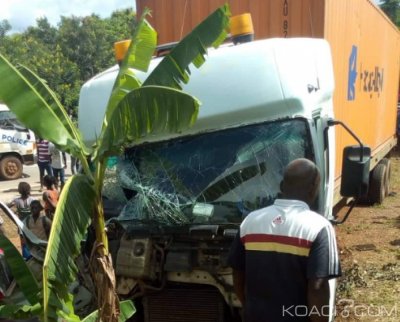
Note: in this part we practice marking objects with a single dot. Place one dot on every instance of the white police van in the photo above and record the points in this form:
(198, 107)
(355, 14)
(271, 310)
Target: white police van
(17, 145)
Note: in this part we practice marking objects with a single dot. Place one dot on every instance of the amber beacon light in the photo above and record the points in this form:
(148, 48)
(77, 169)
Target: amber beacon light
(120, 49)
(242, 28)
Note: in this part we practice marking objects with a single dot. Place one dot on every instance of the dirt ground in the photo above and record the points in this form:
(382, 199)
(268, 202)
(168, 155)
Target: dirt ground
(369, 245)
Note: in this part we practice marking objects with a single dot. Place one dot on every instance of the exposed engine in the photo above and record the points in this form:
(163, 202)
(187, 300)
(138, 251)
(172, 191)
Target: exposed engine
(167, 270)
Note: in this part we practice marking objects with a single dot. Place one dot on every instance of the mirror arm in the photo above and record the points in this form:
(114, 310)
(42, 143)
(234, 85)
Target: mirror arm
(330, 123)
(336, 122)
(339, 222)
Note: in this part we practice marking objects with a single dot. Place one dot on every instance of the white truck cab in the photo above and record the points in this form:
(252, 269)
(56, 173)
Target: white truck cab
(264, 104)
(17, 145)
(284, 87)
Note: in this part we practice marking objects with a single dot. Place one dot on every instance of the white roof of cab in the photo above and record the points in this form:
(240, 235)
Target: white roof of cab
(237, 85)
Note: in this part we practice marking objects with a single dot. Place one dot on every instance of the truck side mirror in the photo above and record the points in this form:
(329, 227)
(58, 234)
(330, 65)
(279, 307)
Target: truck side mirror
(355, 171)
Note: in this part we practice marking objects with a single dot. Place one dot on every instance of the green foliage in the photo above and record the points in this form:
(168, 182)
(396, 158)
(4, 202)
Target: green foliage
(4, 28)
(25, 302)
(29, 305)
(127, 310)
(28, 95)
(158, 110)
(44, 32)
(392, 10)
(139, 56)
(74, 210)
(68, 55)
(20, 271)
(170, 72)
(22, 311)
(174, 69)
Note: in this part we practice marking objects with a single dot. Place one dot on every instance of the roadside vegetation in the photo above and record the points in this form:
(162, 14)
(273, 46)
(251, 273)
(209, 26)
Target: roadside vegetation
(70, 53)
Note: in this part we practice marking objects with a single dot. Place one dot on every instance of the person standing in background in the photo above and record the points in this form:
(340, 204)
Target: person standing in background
(58, 165)
(50, 196)
(44, 159)
(74, 165)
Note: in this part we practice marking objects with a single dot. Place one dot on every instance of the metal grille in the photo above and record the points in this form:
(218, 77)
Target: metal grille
(184, 305)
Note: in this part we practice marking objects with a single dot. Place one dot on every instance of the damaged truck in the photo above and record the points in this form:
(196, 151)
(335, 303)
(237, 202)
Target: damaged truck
(178, 199)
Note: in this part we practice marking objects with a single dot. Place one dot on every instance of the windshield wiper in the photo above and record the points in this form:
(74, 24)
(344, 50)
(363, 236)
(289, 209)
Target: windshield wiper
(232, 180)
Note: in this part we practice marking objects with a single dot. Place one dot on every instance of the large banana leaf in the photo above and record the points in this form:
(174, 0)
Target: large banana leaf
(20, 271)
(174, 68)
(48, 95)
(138, 57)
(29, 98)
(149, 109)
(142, 47)
(15, 311)
(71, 220)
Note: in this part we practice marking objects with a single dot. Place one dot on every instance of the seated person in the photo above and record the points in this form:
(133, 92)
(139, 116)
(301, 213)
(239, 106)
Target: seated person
(38, 222)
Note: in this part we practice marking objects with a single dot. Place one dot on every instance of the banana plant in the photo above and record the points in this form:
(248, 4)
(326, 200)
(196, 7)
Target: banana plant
(28, 305)
(134, 110)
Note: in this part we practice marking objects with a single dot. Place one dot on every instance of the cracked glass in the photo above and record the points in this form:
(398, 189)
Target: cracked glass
(210, 178)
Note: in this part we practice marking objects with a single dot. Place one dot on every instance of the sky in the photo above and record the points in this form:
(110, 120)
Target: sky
(23, 13)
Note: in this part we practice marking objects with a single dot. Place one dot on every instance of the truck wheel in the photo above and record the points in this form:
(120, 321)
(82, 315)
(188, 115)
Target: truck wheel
(376, 191)
(10, 168)
(388, 175)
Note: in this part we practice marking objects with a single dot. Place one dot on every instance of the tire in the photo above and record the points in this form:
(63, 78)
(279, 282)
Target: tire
(388, 176)
(377, 191)
(10, 168)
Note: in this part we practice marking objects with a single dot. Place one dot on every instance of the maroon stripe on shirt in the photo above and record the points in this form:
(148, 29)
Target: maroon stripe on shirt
(43, 151)
(260, 238)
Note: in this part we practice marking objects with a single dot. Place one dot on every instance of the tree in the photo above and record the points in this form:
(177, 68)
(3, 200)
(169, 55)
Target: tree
(88, 42)
(134, 110)
(44, 32)
(68, 55)
(121, 25)
(4, 28)
(37, 49)
(392, 10)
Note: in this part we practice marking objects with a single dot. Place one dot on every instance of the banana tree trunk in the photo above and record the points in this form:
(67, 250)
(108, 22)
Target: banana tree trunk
(101, 266)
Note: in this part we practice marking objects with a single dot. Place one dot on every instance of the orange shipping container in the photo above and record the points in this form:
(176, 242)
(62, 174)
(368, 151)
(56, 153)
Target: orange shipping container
(365, 48)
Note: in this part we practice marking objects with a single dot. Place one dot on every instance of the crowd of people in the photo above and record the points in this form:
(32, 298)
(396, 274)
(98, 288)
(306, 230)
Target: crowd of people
(37, 213)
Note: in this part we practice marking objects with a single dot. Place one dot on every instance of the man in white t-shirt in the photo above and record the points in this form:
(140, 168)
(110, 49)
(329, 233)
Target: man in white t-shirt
(58, 164)
(285, 254)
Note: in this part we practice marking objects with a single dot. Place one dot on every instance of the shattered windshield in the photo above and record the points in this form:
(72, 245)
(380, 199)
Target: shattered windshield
(216, 177)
